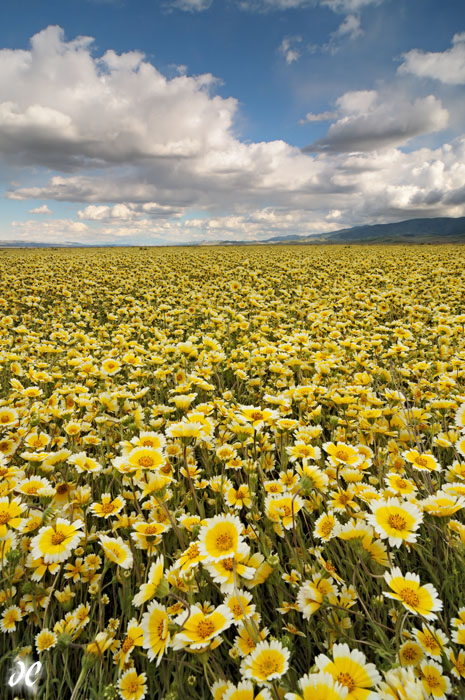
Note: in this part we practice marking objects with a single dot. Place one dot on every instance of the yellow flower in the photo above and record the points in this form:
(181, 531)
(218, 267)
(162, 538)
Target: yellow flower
(432, 640)
(141, 458)
(240, 605)
(148, 590)
(340, 453)
(434, 681)
(220, 538)
(132, 686)
(422, 600)
(319, 686)
(249, 636)
(198, 629)
(45, 640)
(351, 670)
(422, 461)
(10, 514)
(190, 558)
(84, 464)
(134, 638)
(154, 625)
(268, 661)
(311, 594)
(108, 506)
(410, 653)
(401, 684)
(324, 527)
(55, 543)
(10, 616)
(395, 520)
(117, 551)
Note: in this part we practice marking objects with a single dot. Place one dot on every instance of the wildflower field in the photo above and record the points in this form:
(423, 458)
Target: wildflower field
(233, 473)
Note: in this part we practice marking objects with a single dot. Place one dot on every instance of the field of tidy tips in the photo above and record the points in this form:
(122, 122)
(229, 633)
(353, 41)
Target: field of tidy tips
(233, 473)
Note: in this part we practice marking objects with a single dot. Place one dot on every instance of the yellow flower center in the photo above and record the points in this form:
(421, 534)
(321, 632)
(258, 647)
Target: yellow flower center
(343, 455)
(108, 508)
(205, 628)
(421, 461)
(146, 461)
(62, 489)
(236, 610)
(433, 681)
(58, 537)
(132, 686)
(224, 542)
(151, 530)
(397, 522)
(228, 564)
(193, 551)
(326, 528)
(409, 654)
(410, 597)
(346, 680)
(268, 665)
(4, 419)
(430, 642)
(4, 517)
(127, 645)
(256, 415)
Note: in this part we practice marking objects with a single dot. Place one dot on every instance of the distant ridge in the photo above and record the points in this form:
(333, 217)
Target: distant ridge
(416, 231)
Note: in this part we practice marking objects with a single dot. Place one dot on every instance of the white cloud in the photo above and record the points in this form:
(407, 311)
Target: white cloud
(319, 117)
(370, 121)
(191, 5)
(41, 210)
(349, 27)
(349, 6)
(62, 108)
(288, 49)
(140, 153)
(447, 66)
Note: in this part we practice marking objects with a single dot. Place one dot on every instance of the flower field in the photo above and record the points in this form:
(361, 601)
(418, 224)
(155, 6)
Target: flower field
(233, 473)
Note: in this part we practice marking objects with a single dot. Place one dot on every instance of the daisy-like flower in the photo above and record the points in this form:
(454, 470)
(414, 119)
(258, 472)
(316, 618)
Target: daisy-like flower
(458, 663)
(325, 527)
(245, 691)
(221, 537)
(421, 600)
(460, 417)
(108, 506)
(282, 510)
(400, 485)
(154, 625)
(395, 520)
(238, 498)
(9, 417)
(342, 454)
(351, 670)
(410, 653)
(55, 543)
(199, 629)
(302, 450)
(312, 593)
(117, 551)
(134, 638)
(433, 641)
(400, 684)
(111, 366)
(423, 462)
(132, 686)
(148, 590)
(10, 616)
(84, 464)
(147, 535)
(258, 417)
(442, 504)
(223, 571)
(46, 639)
(240, 605)
(10, 514)
(145, 458)
(190, 558)
(249, 635)
(268, 661)
(319, 686)
(434, 682)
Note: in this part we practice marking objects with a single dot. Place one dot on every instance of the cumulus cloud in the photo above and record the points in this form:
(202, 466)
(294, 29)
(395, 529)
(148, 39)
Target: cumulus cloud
(447, 66)
(349, 27)
(318, 117)
(289, 50)
(63, 108)
(191, 5)
(137, 153)
(369, 121)
(41, 210)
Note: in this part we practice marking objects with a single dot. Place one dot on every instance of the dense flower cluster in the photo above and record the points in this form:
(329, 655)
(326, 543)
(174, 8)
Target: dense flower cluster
(235, 474)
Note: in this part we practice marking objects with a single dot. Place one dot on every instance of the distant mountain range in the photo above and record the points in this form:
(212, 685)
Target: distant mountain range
(438, 230)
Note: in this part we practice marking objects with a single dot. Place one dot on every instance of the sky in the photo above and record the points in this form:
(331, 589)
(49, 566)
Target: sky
(165, 122)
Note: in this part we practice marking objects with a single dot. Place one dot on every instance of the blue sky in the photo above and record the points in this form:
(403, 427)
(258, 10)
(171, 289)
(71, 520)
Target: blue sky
(137, 121)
